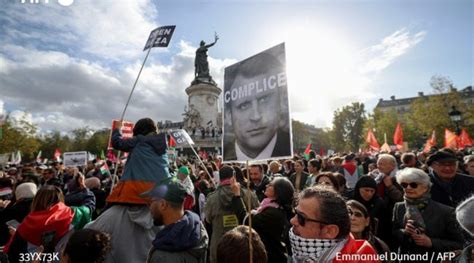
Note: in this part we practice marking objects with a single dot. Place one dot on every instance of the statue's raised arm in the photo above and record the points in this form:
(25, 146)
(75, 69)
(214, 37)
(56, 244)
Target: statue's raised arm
(201, 71)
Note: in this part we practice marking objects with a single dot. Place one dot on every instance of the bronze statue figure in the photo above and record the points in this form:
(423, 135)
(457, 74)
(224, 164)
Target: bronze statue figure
(201, 71)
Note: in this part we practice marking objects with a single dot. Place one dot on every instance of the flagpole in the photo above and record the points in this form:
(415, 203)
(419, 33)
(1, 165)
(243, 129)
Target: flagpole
(134, 85)
(249, 205)
(200, 160)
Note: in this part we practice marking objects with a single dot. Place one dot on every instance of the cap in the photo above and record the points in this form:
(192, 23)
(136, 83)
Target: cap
(169, 189)
(441, 156)
(183, 170)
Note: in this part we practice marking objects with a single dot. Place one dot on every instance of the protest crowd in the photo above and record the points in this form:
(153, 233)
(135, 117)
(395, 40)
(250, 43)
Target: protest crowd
(346, 207)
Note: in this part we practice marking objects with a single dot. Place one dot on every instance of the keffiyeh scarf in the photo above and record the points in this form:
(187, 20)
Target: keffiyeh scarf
(314, 250)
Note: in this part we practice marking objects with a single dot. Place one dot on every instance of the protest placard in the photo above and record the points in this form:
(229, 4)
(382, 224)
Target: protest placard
(126, 130)
(72, 159)
(159, 37)
(181, 137)
(256, 108)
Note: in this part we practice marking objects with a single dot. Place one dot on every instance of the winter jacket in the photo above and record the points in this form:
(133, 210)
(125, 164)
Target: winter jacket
(441, 228)
(452, 193)
(220, 214)
(270, 224)
(31, 232)
(17, 211)
(147, 164)
(131, 230)
(184, 241)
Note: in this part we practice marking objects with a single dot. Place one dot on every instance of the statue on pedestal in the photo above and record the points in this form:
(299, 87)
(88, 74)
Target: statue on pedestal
(201, 70)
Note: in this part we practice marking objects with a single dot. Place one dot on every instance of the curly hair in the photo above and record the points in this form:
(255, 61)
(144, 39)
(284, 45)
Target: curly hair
(87, 245)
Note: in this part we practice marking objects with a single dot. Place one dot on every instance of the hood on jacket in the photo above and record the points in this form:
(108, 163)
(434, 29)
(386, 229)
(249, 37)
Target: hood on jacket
(225, 195)
(183, 235)
(81, 197)
(156, 141)
(140, 215)
(57, 218)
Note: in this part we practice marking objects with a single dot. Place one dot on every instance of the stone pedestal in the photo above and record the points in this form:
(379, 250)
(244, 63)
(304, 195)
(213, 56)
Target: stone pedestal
(203, 97)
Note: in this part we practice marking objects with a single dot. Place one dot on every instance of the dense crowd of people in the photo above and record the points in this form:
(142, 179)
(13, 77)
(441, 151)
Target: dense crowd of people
(348, 207)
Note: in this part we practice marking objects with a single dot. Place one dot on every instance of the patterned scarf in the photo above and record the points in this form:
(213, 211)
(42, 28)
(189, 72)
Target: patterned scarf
(414, 208)
(314, 250)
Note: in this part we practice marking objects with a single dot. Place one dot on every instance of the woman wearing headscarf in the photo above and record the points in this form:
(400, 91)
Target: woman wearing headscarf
(365, 192)
(421, 225)
(271, 218)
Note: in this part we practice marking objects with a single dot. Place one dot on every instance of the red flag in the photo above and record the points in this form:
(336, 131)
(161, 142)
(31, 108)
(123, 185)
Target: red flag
(450, 139)
(172, 142)
(431, 142)
(57, 155)
(111, 156)
(398, 136)
(306, 151)
(372, 141)
(464, 139)
(322, 152)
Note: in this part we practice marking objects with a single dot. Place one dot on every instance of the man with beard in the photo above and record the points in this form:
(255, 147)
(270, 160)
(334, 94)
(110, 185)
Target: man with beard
(321, 230)
(183, 238)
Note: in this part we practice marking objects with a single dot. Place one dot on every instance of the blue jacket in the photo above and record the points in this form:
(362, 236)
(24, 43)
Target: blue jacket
(147, 164)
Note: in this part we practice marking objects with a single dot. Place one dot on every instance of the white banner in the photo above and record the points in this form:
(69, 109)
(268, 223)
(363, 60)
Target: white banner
(75, 159)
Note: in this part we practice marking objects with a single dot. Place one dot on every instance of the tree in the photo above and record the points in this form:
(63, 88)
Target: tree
(19, 135)
(98, 141)
(80, 138)
(303, 134)
(52, 141)
(432, 113)
(348, 124)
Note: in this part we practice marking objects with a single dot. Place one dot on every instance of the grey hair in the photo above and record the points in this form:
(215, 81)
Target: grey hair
(388, 157)
(468, 159)
(414, 175)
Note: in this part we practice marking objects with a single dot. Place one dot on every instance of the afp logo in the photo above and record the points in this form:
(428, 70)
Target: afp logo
(61, 2)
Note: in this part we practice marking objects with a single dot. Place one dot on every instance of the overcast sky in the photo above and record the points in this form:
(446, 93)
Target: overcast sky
(74, 66)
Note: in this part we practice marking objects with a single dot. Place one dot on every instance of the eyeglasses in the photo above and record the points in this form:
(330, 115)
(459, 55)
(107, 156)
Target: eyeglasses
(302, 218)
(412, 185)
(356, 214)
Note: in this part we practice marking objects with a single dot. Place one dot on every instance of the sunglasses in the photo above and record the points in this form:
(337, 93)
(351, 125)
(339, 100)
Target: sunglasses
(302, 218)
(412, 185)
(356, 214)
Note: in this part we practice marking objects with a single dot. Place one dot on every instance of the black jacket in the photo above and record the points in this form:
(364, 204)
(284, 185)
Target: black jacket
(304, 177)
(453, 193)
(17, 211)
(271, 225)
(441, 227)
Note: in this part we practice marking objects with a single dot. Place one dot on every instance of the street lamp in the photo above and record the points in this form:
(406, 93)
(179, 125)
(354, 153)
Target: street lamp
(455, 116)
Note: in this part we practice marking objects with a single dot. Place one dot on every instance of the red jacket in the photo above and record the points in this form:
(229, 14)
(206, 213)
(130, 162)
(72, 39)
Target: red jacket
(356, 251)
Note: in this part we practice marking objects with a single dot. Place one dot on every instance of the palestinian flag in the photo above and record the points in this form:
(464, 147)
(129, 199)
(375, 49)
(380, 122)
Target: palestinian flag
(306, 151)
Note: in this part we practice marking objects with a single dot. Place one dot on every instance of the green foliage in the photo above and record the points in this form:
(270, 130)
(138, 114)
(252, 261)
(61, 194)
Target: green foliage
(19, 135)
(348, 127)
(305, 133)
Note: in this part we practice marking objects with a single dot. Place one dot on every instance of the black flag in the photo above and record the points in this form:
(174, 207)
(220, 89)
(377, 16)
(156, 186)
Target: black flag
(159, 37)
